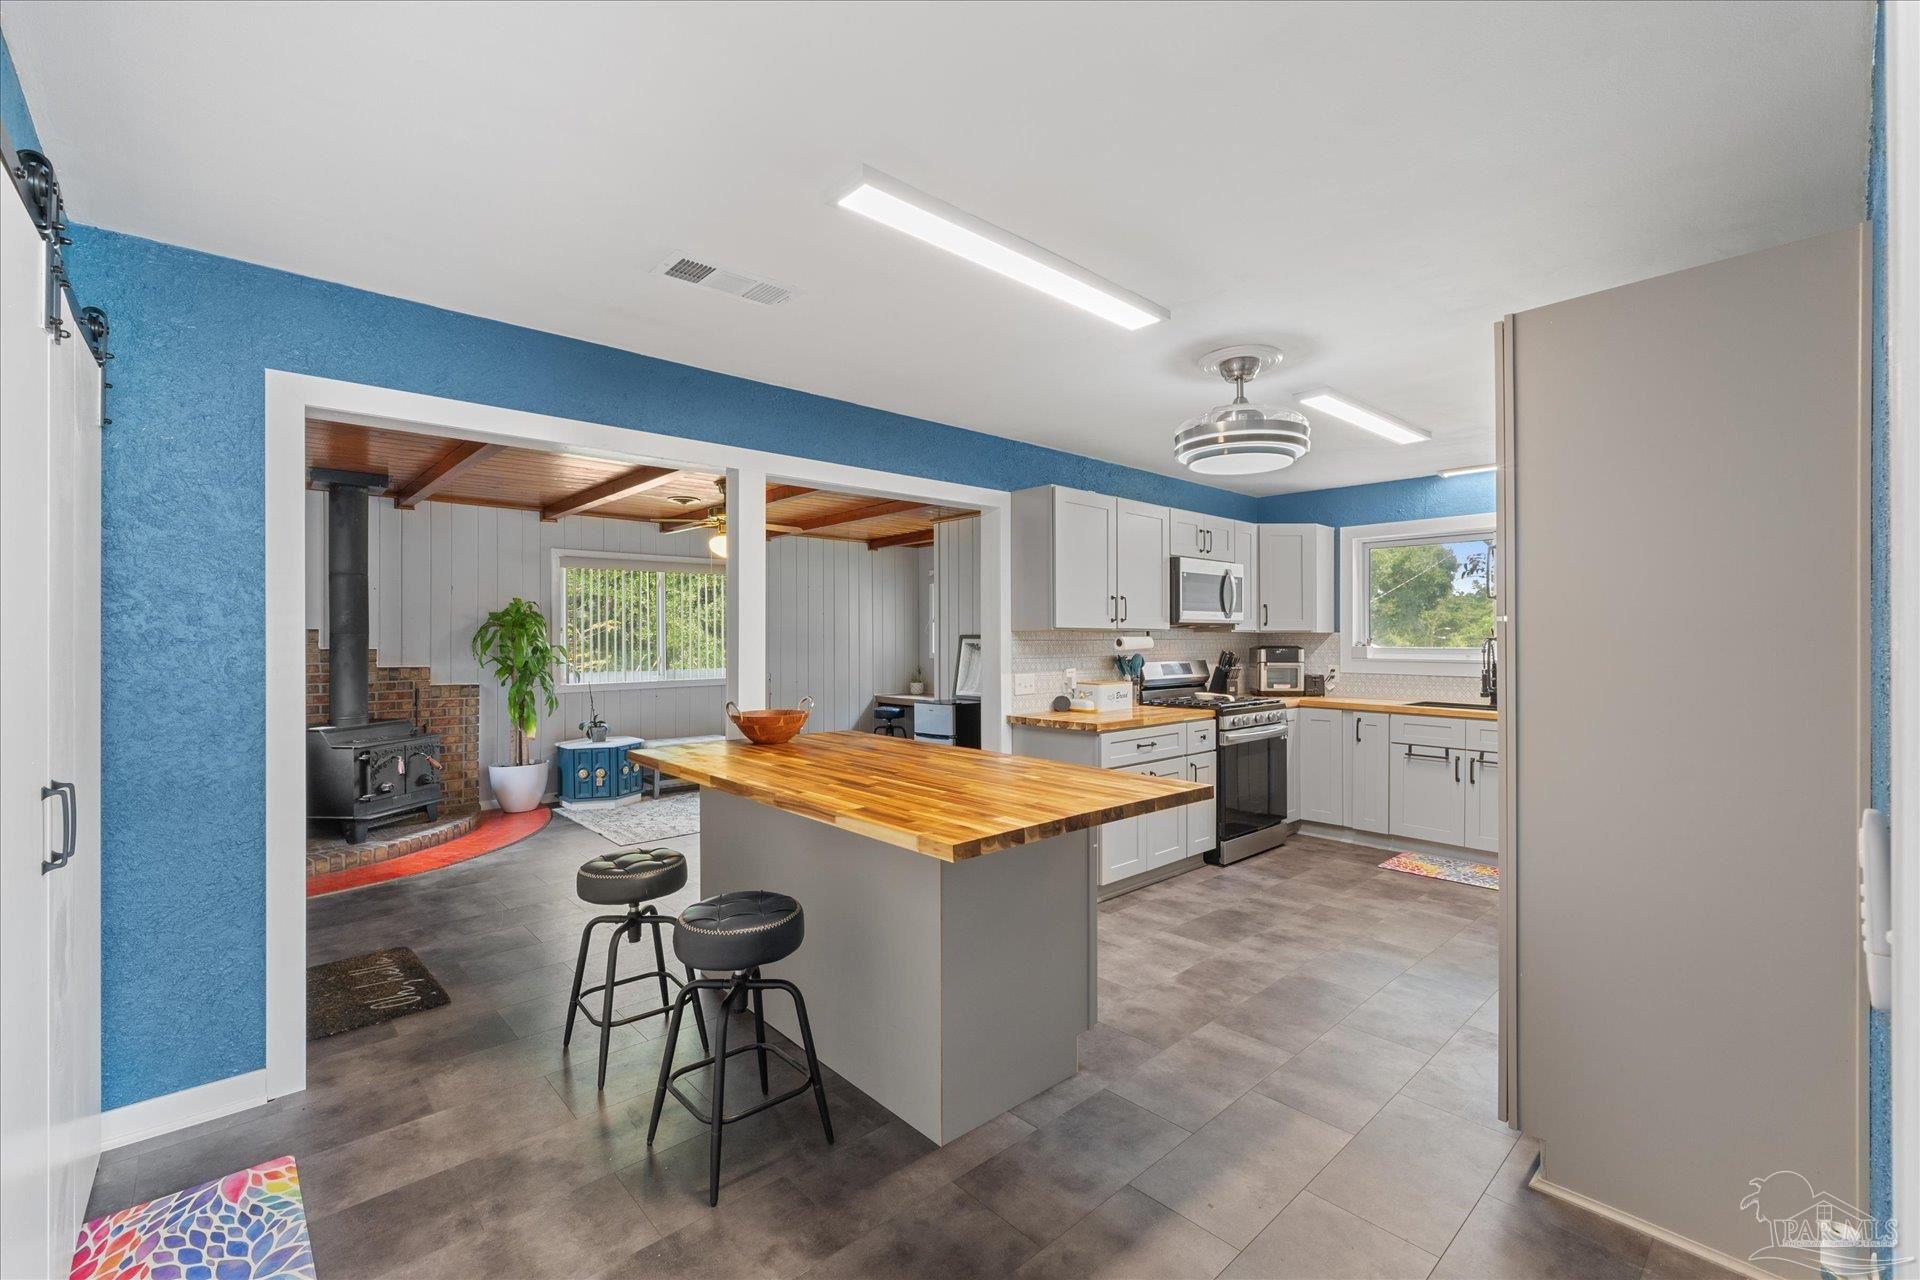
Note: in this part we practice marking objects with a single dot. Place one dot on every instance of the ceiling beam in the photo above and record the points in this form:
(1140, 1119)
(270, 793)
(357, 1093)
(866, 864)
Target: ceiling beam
(853, 515)
(443, 471)
(916, 538)
(694, 515)
(624, 485)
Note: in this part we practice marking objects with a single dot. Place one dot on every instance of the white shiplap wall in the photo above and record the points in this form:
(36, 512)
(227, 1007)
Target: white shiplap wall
(842, 620)
(956, 584)
(843, 624)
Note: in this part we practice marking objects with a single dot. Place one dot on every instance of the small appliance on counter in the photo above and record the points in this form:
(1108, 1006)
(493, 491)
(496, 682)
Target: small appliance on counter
(1102, 697)
(1279, 669)
(1316, 687)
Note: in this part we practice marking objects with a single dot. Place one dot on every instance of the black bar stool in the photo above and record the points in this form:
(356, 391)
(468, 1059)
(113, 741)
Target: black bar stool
(627, 879)
(891, 720)
(734, 934)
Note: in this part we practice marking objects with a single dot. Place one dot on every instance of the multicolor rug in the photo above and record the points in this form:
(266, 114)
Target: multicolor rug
(643, 821)
(496, 831)
(249, 1225)
(1437, 866)
(345, 995)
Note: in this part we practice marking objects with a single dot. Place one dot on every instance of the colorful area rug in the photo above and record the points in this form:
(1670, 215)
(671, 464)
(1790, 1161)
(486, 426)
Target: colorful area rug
(496, 831)
(345, 995)
(249, 1225)
(1437, 866)
(643, 821)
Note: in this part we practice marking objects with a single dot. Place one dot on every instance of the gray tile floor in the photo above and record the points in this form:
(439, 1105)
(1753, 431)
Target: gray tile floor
(1293, 1076)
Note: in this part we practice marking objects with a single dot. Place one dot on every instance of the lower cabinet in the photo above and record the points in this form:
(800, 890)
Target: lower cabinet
(1201, 836)
(1483, 802)
(1320, 742)
(1425, 788)
(1369, 756)
(1153, 840)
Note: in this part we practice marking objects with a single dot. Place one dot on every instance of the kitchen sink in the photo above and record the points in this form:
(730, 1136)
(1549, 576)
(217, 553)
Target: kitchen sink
(1462, 706)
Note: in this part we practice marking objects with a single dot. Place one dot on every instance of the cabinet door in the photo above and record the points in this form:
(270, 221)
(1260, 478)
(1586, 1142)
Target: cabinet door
(1201, 835)
(1216, 535)
(1186, 533)
(1322, 757)
(1426, 793)
(1121, 850)
(1163, 835)
(1085, 592)
(1246, 553)
(1294, 742)
(1296, 578)
(1368, 753)
(1483, 803)
(1143, 580)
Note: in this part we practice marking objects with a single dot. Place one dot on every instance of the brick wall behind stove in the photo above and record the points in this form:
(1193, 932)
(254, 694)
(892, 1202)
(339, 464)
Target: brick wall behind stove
(450, 710)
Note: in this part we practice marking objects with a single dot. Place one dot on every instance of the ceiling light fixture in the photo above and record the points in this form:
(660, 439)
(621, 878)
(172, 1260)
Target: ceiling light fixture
(1348, 410)
(717, 545)
(893, 203)
(1451, 472)
(1241, 439)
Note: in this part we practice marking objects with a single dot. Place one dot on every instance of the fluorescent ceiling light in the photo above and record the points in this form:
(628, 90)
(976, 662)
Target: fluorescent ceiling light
(895, 204)
(1451, 472)
(1339, 406)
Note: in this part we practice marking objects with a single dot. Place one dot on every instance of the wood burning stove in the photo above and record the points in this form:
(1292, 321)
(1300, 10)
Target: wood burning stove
(361, 773)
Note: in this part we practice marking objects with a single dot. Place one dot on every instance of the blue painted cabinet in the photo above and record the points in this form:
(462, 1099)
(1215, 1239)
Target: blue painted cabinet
(597, 770)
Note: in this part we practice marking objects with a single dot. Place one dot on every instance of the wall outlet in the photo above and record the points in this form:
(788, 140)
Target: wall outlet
(1024, 682)
(1069, 675)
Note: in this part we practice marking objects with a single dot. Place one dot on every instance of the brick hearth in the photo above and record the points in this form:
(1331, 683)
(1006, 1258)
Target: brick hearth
(450, 710)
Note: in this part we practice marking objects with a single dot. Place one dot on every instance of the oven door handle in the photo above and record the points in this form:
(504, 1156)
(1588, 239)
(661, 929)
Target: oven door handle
(1263, 734)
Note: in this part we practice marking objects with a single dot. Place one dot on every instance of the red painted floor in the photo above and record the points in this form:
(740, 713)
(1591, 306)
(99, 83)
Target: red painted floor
(496, 831)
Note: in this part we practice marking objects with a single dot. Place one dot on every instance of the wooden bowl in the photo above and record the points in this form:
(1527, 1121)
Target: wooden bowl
(772, 726)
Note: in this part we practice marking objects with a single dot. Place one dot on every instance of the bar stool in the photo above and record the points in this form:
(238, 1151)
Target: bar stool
(627, 879)
(890, 720)
(735, 934)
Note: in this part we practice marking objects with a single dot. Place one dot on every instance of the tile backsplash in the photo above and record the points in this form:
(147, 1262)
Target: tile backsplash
(1047, 654)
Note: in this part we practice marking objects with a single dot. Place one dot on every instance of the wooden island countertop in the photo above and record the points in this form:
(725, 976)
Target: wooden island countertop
(950, 803)
(1139, 716)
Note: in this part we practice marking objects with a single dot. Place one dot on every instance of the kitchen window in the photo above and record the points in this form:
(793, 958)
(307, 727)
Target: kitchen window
(640, 621)
(1419, 595)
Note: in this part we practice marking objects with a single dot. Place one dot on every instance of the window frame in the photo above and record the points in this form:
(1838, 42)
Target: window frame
(1356, 541)
(640, 562)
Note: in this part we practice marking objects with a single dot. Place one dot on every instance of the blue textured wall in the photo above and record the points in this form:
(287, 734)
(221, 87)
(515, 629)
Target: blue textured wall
(13, 104)
(183, 667)
(1880, 671)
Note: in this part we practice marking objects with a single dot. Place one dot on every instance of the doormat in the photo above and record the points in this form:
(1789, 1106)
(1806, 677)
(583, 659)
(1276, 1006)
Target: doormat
(1437, 866)
(250, 1225)
(346, 995)
(643, 822)
(496, 831)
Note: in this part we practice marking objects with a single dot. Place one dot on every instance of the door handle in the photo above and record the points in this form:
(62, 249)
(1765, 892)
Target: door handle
(1113, 608)
(1124, 611)
(1263, 615)
(1473, 766)
(69, 824)
(1356, 728)
(1456, 766)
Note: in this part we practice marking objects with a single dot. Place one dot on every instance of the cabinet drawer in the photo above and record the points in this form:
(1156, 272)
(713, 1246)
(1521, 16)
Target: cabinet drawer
(1199, 736)
(1483, 735)
(1141, 746)
(1428, 731)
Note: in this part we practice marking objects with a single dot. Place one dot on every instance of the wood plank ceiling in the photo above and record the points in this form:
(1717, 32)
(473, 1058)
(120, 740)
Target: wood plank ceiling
(425, 468)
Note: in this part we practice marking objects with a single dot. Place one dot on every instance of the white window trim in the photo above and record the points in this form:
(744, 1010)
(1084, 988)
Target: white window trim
(638, 560)
(1354, 653)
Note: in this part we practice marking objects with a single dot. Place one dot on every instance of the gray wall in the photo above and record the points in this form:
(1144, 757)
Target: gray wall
(1685, 537)
(956, 585)
(843, 624)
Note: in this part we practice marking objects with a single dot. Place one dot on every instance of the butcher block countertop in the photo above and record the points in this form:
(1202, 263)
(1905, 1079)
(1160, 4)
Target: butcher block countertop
(950, 803)
(1140, 717)
(1389, 707)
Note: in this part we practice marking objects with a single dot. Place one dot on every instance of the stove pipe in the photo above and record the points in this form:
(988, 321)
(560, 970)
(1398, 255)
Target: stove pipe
(347, 591)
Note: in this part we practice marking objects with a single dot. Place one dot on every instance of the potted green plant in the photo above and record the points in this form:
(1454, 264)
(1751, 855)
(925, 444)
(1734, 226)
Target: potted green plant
(515, 644)
(917, 685)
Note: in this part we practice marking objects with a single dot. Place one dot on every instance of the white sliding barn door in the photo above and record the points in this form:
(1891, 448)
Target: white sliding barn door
(50, 710)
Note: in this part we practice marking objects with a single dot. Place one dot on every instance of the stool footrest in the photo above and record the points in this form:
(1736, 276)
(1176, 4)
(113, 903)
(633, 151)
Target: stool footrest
(706, 1118)
(580, 1000)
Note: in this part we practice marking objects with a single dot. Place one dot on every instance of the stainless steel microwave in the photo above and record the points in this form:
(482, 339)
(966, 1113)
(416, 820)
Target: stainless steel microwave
(1208, 593)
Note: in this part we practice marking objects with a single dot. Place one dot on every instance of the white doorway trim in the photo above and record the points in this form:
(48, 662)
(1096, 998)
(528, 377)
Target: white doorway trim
(292, 398)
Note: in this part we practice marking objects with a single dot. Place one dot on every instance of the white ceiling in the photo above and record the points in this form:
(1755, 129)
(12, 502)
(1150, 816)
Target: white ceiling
(1368, 186)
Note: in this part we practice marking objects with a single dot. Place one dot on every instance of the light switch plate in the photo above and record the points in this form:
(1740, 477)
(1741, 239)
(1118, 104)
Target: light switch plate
(1024, 682)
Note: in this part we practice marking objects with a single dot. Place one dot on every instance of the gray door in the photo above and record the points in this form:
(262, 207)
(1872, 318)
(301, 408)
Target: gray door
(1683, 469)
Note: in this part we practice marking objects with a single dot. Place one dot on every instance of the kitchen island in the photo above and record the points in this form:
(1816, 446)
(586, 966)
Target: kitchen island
(950, 953)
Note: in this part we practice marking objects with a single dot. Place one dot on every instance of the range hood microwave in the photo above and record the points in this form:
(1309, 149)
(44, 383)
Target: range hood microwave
(1208, 593)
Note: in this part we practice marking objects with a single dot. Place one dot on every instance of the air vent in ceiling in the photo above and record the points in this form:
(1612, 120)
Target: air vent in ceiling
(734, 283)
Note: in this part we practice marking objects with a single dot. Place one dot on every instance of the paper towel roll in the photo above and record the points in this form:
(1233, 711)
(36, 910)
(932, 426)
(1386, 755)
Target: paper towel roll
(1132, 644)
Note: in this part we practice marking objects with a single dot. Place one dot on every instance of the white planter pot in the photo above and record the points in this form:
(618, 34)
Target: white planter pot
(916, 688)
(518, 787)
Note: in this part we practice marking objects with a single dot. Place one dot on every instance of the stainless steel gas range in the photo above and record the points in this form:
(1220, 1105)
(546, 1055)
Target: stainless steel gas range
(1251, 739)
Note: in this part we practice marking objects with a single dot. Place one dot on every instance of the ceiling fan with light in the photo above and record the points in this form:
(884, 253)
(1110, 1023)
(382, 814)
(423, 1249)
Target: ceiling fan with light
(716, 520)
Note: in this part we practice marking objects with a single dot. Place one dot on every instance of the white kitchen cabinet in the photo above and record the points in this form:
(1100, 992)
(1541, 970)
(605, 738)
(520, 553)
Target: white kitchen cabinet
(1296, 578)
(1293, 764)
(1195, 534)
(1483, 802)
(1246, 553)
(1162, 834)
(1141, 577)
(1088, 561)
(1121, 850)
(1426, 787)
(1201, 836)
(1322, 766)
(1368, 761)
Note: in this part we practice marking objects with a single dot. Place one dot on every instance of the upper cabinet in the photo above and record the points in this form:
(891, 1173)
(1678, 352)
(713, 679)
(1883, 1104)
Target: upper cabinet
(1296, 578)
(1089, 561)
(1246, 551)
(1199, 535)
